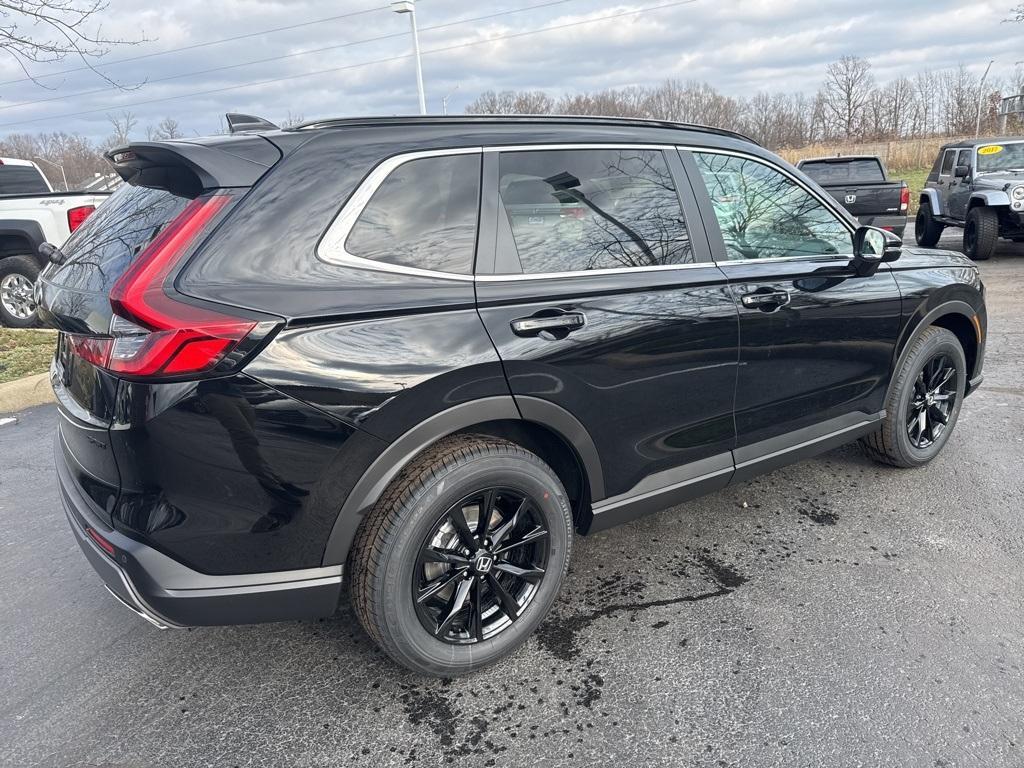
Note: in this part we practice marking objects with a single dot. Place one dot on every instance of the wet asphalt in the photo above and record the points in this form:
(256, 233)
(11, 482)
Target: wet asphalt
(833, 613)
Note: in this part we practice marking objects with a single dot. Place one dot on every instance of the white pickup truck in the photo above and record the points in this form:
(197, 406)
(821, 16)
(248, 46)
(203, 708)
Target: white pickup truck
(31, 214)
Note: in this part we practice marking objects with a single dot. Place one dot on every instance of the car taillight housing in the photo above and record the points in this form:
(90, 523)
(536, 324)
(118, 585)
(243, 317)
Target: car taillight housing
(153, 334)
(77, 216)
(904, 199)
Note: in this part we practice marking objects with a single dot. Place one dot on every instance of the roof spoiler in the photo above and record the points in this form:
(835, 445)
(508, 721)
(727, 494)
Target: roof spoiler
(188, 168)
(239, 123)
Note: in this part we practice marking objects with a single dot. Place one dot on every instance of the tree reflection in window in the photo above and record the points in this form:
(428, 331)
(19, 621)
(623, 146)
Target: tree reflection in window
(764, 214)
(575, 210)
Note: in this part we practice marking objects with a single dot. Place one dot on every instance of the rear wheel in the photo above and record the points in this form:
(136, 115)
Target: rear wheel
(927, 230)
(462, 557)
(981, 233)
(923, 403)
(17, 280)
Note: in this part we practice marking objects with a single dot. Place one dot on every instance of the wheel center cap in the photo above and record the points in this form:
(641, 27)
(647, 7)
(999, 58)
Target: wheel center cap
(483, 563)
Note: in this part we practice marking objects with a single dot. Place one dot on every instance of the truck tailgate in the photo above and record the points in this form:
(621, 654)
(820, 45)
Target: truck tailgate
(869, 198)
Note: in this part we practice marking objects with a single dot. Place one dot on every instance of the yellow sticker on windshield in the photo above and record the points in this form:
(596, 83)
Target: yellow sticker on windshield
(992, 149)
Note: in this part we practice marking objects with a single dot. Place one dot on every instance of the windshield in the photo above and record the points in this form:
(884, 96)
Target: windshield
(1001, 157)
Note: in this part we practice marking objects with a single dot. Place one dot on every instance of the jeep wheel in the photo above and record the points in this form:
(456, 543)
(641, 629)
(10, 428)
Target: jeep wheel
(17, 279)
(923, 403)
(981, 233)
(462, 557)
(927, 230)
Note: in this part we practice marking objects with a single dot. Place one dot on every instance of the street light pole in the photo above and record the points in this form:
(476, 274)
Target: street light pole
(409, 6)
(444, 100)
(56, 165)
(981, 96)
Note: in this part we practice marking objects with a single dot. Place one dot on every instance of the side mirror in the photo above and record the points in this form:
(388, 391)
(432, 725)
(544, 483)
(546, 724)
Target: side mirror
(962, 171)
(871, 247)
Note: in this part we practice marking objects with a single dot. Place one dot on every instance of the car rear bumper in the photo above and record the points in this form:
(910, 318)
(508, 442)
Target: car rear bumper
(168, 594)
(895, 224)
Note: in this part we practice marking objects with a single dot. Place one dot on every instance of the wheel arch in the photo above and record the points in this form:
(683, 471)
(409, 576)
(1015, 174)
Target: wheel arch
(956, 317)
(544, 428)
(989, 198)
(21, 238)
(930, 197)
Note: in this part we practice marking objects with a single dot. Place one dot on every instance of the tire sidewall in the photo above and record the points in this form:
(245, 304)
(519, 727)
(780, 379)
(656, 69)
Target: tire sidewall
(979, 219)
(939, 343)
(21, 265)
(417, 647)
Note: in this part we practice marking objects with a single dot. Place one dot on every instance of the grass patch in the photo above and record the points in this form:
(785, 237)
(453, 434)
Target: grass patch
(915, 178)
(24, 352)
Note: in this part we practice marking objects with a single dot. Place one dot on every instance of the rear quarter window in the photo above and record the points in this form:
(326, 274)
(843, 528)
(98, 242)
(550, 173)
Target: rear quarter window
(100, 251)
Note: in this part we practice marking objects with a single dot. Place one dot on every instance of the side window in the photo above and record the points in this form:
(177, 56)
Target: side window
(576, 210)
(764, 214)
(947, 162)
(964, 158)
(423, 215)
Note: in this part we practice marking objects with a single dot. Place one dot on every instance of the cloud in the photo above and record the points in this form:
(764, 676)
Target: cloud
(739, 47)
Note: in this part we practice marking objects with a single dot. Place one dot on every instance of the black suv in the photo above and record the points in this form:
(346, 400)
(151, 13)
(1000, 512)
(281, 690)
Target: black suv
(414, 355)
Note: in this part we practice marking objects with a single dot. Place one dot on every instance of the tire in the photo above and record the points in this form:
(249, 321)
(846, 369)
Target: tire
(894, 442)
(389, 562)
(17, 275)
(927, 230)
(981, 233)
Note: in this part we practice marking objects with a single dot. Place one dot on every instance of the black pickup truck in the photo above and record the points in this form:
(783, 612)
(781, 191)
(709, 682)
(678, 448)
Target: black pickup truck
(861, 184)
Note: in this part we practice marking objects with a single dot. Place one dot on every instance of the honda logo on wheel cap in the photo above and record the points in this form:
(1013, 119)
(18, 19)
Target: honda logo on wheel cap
(483, 564)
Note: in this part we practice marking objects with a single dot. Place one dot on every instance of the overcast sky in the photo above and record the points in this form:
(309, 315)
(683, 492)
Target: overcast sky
(739, 46)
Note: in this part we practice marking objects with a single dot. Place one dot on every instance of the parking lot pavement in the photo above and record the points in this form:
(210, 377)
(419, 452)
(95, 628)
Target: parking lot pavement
(833, 613)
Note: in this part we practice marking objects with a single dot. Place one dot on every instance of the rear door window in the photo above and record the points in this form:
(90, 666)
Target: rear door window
(100, 251)
(947, 162)
(22, 180)
(585, 209)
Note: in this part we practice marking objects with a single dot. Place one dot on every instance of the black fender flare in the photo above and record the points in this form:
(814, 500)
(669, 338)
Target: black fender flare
(954, 307)
(386, 467)
(27, 230)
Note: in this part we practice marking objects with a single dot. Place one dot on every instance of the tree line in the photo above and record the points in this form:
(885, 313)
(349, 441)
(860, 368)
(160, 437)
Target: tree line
(850, 105)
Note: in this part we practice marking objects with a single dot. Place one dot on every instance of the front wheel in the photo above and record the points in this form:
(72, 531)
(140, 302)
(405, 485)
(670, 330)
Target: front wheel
(462, 557)
(981, 233)
(924, 402)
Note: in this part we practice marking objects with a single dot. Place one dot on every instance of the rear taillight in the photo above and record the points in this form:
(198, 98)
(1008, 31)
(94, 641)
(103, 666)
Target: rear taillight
(156, 335)
(77, 216)
(904, 199)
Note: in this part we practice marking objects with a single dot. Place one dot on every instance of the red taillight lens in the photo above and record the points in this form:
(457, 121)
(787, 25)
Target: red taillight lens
(155, 334)
(95, 349)
(905, 198)
(77, 216)
(102, 543)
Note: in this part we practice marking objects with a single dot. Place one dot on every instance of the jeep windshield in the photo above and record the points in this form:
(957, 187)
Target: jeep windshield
(1001, 157)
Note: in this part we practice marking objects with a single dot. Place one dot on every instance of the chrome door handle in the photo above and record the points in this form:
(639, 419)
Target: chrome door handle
(534, 326)
(772, 300)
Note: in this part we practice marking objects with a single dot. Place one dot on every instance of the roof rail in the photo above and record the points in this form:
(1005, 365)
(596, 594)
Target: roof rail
(341, 122)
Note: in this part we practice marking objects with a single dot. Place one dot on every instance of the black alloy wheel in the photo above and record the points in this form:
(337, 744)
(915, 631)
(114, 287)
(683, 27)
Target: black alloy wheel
(480, 566)
(932, 402)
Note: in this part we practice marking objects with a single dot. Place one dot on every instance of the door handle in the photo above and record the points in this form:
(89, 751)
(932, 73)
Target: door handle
(549, 326)
(768, 301)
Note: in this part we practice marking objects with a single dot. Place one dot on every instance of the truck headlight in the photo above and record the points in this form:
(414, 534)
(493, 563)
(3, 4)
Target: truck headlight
(1018, 192)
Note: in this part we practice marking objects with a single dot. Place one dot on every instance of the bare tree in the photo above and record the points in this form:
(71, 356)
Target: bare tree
(292, 120)
(123, 126)
(511, 103)
(43, 31)
(847, 92)
(167, 128)
(1017, 14)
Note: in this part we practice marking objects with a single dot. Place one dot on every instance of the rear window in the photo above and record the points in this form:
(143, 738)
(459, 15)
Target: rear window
(847, 172)
(22, 180)
(99, 251)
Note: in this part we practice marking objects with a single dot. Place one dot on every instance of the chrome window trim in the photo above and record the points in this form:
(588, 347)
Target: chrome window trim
(331, 248)
(829, 204)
